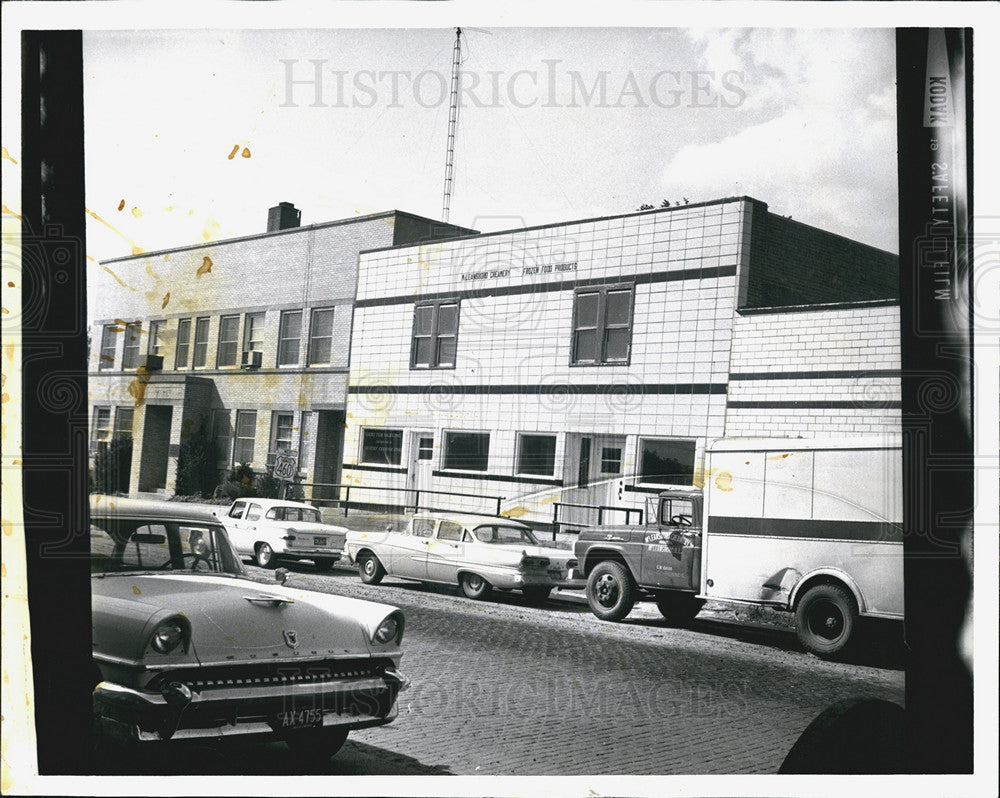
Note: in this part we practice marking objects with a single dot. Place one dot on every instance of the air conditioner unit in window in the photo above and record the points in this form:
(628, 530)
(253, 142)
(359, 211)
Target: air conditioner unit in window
(251, 360)
(153, 363)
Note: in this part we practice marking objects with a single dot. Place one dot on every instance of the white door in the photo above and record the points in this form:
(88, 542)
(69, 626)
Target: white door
(420, 475)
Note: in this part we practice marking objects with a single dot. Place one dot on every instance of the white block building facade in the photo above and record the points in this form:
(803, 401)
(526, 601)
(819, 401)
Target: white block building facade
(590, 362)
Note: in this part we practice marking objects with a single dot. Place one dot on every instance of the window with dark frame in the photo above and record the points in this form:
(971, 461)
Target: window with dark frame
(321, 337)
(466, 451)
(246, 428)
(130, 355)
(666, 462)
(200, 342)
(183, 343)
(381, 446)
(435, 334)
(611, 460)
(602, 325)
(289, 337)
(109, 344)
(229, 331)
(536, 454)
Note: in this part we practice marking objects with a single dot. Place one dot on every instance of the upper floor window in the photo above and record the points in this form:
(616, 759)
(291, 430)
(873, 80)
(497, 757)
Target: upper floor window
(130, 357)
(602, 325)
(229, 331)
(253, 332)
(183, 343)
(435, 334)
(201, 342)
(321, 337)
(289, 337)
(156, 337)
(109, 344)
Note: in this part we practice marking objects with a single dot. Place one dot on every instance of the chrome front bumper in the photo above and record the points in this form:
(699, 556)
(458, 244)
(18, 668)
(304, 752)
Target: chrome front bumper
(177, 712)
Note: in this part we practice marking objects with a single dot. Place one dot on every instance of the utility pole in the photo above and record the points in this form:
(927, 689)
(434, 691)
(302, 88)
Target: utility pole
(449, 166)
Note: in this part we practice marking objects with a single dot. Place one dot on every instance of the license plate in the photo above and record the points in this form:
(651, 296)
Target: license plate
(319, 541)
(299, 718)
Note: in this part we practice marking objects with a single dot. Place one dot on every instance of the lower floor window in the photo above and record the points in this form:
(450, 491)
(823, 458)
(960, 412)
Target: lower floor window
(246, 424)
(536, 454)
(282, 426)
(382, 446)
(102, 427)
(467, 451)
(666, 462)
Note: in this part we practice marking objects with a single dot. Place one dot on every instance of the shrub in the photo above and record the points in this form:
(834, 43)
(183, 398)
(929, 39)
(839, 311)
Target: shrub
(239, 483)
(196, 472)
(112, 466)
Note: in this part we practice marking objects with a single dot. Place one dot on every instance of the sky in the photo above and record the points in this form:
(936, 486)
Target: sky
(192, 135)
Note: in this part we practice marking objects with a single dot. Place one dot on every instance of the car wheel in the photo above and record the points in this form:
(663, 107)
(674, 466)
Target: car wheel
(324, 563)
(263, 555)
(317, 745)
(679, 609)
(474, 586)
(370, 569)
(536, 595)
(610, 592)
(825, 619)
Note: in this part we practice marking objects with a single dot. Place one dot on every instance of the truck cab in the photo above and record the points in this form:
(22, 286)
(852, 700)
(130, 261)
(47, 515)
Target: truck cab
(659, 560)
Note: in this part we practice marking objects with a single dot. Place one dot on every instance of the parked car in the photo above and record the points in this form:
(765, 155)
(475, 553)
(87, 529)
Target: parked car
(271, 529)
(186, 646)
(475, 552)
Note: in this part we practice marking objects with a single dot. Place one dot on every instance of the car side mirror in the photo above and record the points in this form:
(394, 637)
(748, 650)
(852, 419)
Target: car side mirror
(281, 576)
(388, 527)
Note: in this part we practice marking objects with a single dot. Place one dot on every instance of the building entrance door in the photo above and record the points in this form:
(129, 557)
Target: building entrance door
(421, 468)
(593, 468)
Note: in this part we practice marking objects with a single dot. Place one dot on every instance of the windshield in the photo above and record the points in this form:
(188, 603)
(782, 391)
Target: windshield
(126, 546)
(495, 533)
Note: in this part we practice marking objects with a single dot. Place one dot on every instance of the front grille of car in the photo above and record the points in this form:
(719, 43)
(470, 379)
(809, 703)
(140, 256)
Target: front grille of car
(267, 673)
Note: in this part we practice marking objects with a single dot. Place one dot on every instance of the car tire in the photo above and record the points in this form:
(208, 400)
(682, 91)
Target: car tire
(324, 563)
(318, 745)
(825, 620)
(264, 556)
(370, 569)
(474, 586)
(679, 609)
(537, 595)
(610, 592)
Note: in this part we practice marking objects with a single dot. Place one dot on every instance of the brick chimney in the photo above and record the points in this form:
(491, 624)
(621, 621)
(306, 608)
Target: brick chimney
(283, 216)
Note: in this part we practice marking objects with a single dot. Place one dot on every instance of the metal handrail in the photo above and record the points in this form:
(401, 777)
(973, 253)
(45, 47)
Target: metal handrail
(556, 523)
(345, 502)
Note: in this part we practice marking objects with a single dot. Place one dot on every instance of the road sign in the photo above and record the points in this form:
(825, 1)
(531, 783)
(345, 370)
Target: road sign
(286, 466)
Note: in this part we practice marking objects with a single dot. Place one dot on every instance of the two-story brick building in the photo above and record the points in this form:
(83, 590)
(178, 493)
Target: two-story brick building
(590, 362)
(246, 338)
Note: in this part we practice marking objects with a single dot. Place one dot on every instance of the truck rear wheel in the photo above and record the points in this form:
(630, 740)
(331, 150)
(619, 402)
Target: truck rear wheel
(679, 609)
(825, 620)
(610, 592)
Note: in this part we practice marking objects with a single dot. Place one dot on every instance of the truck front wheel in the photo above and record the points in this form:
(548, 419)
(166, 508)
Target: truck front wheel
(610, 592)
(825, 619)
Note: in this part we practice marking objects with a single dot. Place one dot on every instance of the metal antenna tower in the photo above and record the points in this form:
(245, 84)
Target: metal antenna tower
(449, 166)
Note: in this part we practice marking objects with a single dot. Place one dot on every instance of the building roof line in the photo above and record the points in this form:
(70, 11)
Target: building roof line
(588, 220)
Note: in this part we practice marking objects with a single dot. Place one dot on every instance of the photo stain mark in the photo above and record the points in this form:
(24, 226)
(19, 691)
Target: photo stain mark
(205, 268)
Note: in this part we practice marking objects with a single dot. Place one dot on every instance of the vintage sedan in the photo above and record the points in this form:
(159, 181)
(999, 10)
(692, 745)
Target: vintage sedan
(186, 646)
(475, 552)
(271, 529)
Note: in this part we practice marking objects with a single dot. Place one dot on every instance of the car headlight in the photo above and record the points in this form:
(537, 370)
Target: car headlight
(391, 629)
(167, 636)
